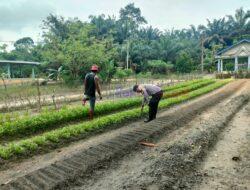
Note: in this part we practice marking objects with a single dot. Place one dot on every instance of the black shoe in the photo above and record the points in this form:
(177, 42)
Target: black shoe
(148, 120)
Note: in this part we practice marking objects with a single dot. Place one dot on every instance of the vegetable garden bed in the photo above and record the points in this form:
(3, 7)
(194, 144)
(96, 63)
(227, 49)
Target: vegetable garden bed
(45, 121)
(57, 136)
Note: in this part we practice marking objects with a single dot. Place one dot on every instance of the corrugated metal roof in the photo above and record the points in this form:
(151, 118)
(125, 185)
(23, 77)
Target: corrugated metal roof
(20, 62)
(232, 46)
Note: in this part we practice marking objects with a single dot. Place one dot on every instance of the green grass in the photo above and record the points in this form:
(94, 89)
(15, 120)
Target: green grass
(30, 125)
(59, 135)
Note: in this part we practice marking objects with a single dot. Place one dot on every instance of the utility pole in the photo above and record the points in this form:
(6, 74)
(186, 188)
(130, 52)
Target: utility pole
(202, 54)
(127, 57)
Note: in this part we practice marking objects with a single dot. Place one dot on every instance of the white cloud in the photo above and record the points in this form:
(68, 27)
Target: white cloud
(23, 13)
(20, 18)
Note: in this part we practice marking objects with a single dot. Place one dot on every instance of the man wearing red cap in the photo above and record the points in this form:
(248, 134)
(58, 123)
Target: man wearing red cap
(91, 84)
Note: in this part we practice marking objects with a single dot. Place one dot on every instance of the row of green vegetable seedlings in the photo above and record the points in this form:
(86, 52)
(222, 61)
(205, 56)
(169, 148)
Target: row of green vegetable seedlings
(10, 117)
(26, 147)
(183, 84)
(176, 92)
(46, 121)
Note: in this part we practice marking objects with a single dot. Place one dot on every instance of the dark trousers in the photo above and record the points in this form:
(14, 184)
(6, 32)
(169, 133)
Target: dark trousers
(153, 105)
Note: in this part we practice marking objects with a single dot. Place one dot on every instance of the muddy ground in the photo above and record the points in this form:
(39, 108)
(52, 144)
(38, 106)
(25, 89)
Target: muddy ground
(201, 144)
(226, 166)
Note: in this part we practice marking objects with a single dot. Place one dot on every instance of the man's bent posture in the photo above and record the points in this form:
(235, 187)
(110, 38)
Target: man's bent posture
(156, 94)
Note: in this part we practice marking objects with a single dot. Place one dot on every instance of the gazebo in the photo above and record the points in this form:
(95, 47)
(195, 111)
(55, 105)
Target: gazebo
(236, 51)
(20, 63)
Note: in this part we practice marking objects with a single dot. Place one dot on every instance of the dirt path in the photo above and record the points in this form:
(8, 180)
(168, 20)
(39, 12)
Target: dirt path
(144, 169)
(228, 165)
(115, 160)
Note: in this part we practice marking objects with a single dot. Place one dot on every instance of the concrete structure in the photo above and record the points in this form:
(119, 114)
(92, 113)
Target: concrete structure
(20, 63)
(236, 51)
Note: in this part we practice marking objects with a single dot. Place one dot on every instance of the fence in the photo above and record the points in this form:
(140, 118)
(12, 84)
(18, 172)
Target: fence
(30, 97)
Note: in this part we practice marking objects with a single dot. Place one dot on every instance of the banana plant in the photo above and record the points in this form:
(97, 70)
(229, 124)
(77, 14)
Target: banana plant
(56, 74)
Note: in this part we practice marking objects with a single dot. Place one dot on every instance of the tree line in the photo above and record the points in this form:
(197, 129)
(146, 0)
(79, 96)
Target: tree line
(70, 46)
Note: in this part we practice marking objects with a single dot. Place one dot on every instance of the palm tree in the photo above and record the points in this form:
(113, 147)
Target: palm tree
(239, 24)
(214, 33)
(149, 33)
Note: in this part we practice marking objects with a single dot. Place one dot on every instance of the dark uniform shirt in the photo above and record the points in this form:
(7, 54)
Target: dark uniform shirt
(90, 86)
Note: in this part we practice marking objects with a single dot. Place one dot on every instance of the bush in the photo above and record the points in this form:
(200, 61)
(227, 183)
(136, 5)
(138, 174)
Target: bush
(159, 67)
(144, 75)
(128, 72)
(123, 73)
(242, 74)
(223, 75)
(184, 63)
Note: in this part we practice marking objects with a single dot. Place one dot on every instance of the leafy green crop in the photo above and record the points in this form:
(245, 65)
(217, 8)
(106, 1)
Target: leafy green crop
(176, 92)
(48, 120)
(183, 84)
(67, 132)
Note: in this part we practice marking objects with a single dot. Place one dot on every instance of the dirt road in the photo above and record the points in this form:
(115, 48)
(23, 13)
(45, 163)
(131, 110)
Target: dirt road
(200, 144)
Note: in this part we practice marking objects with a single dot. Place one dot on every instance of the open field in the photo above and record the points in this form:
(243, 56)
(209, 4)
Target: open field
(11, 130)
(69, 152)
(172, 86)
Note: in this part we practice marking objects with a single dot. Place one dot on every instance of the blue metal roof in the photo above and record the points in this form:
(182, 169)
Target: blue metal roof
(230, 47)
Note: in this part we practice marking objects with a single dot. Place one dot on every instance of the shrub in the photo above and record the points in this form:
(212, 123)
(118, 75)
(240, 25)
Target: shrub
(223, 75)
(159, 67)
(242, 74)
(184, 63)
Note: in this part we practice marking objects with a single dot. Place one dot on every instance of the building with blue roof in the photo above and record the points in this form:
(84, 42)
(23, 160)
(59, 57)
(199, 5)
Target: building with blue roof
(235, 52)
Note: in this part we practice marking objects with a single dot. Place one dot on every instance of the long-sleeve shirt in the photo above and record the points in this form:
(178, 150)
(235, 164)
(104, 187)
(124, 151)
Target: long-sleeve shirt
(148, 90)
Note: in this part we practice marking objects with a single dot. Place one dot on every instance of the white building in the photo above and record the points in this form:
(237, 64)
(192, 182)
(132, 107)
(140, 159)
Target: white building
(234, 52)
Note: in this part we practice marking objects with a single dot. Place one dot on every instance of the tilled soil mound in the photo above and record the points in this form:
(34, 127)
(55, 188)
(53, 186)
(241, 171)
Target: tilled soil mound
(172, 167)
(168, 171)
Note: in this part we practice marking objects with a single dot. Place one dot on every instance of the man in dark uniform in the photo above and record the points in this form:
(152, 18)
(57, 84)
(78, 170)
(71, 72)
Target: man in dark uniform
(91, 84)
(156, 94)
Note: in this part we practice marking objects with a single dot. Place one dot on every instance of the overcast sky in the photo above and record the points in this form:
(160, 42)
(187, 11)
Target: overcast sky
(22, 18)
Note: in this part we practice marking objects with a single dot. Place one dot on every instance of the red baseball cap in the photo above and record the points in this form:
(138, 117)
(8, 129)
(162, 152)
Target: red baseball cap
(94, 68)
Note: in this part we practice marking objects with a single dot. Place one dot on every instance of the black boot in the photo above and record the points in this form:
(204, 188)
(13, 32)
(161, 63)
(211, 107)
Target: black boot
(147, 120)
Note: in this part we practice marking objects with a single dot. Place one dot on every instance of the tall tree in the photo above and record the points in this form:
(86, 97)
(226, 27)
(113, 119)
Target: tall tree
(129, 22)
(131, 19)
(24, 43)
(55, 26)
(239, 24)
(103, 26)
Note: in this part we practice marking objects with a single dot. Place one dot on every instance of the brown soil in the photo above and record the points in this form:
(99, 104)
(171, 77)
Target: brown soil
(227, 166)
(182, 159)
